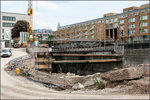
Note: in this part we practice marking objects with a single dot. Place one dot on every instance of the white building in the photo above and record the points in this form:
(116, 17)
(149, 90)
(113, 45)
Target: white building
(42, 34)
(7, 22)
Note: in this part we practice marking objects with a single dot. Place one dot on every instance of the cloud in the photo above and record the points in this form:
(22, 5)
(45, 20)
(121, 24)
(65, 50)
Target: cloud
(45, 5)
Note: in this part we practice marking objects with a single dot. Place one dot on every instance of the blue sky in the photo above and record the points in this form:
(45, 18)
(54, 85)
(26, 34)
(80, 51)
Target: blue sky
(47, 14)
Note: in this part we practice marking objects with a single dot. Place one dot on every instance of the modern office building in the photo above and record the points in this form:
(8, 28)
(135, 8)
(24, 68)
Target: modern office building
(7, 22)
(42, 34)
(131, 24)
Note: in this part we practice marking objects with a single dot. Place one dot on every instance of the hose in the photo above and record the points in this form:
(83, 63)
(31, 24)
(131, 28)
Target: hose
(50, 86)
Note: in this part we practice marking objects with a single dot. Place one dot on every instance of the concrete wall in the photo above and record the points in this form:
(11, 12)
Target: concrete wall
(135, 57)
(86, 68)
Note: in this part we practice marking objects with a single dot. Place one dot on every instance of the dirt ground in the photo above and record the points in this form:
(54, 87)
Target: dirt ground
(17, 87)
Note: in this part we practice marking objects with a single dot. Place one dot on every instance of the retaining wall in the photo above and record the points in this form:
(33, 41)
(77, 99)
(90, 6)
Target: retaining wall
(135, 57)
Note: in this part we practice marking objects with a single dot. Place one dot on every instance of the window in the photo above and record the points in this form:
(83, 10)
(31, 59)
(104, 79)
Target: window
(8, 24)
(91, 31)
(92, 26)
(132, 32)
(144, 24)
(79, 37)
(68, 35)
(134, 38)
(72, 30)
(115, 25)
(132, 26)
(140, 37)
(78, 33)
(111, 20)
(143, 17)
(79, 29)
(121, 21)
(132, 19)
(102, 21)
(107, 21)
(99, 21)
(92, 36)
(9, 18)
(63, 36)
(121, 27)
(72, 33)
(144, 30)
(146, 37)
(85, 28)
(63, 32)
(2, 30)
(115, 19)
(85, 37)
(68, 31)
(85, 32)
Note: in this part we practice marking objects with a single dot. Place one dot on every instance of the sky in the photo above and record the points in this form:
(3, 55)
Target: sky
(47, 14)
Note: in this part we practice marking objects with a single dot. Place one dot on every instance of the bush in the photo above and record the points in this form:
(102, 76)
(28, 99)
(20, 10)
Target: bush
(99, 83)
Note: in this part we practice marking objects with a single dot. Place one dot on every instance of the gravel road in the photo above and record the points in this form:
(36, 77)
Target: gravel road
(17, 87)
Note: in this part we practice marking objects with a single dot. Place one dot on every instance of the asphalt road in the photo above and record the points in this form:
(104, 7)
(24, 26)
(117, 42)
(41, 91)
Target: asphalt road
(17, 87)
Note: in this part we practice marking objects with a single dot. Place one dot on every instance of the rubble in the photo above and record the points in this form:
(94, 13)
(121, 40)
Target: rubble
(89, 83)
(73, 79)
(145, 69)
(139, 87)
(123, 74)
(70, 74)
(77, 86)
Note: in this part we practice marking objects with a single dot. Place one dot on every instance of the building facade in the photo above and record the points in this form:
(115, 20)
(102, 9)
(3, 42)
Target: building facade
(42, 34)
(7, 22)
(132, 24)
(83, 31)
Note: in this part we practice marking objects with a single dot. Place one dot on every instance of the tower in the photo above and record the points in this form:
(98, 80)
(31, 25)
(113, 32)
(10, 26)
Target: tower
(58, 26)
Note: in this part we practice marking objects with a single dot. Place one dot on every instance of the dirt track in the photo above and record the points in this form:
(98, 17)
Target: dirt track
(16, 87)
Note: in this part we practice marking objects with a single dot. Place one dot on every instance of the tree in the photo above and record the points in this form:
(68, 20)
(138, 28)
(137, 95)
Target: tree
(50, 43)
(20, 26)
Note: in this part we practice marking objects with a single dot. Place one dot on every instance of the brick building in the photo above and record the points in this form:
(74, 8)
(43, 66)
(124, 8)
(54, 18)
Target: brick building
(132, 24)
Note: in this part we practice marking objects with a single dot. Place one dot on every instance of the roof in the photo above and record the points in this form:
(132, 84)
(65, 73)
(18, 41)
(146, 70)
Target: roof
(14, 13)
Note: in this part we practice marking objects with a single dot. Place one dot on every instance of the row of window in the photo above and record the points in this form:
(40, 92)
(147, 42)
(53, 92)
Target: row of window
(132, 32)
(78, 25)
(42, 31)
(133, 25)
(78, 33)
(111, 20)
(7, 18)
(138, 38)
(85, 37)
(8, 24)
(133, 19)
(79, 29)
(112, 25)
(91, 31)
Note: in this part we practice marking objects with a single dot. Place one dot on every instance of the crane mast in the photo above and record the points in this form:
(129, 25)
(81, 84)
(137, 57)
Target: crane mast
(30, 16)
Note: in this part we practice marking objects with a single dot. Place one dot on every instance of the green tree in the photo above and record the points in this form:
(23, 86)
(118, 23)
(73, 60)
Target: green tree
(50, 43)
(20, 26)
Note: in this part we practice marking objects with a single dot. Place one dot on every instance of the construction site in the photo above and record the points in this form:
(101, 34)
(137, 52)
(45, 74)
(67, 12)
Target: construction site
(106, 67)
